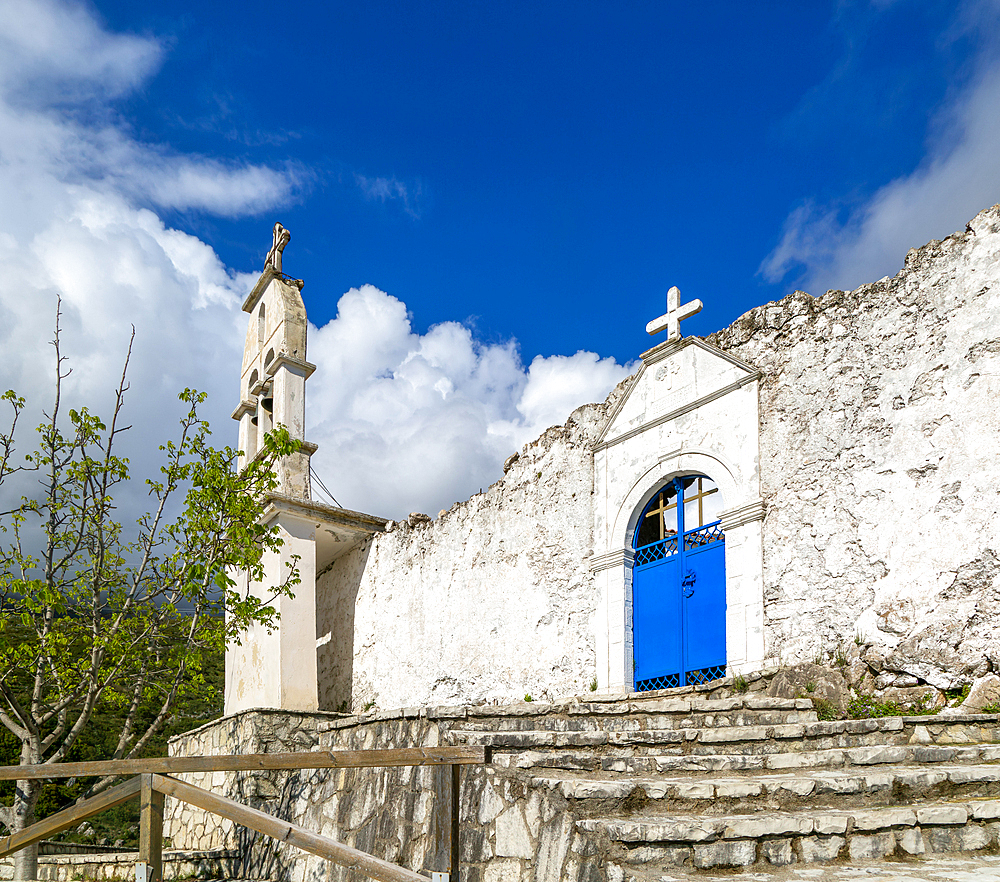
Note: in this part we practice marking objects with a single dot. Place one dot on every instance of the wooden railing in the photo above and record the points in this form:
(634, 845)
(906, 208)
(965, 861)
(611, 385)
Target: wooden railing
(152, 782)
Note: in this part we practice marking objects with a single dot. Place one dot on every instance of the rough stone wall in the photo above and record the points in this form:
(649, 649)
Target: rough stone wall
(510, 832)
(492, 600)
(880, 462)
(879, 465)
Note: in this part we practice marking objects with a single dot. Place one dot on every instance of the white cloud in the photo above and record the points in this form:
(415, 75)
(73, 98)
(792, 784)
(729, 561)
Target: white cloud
(837, 246)
(405, 421)
(381, 189)
(409, 422)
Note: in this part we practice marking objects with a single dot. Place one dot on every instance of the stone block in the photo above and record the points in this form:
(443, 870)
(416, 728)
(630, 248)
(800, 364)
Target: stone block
(974, 774)
(942, 814)
(499, 870)
(791, 730)
(740, 853)
(695, 830)
(820, 848)
(663, 706)
(985, 691)
(715, 705)
(985, 810)
(733, 733)
(841, 784)
(879, 819)
(795, 786)
(872, 848)
(757, 826)
(973, 838)
(512, 838)
(777, 852)
(834, 822)
(865, 756)
(910, 841)
(693, 790)
(735, 788)
(553, 845)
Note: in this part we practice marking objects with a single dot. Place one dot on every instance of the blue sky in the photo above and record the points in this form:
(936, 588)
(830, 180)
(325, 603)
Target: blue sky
(518, 184)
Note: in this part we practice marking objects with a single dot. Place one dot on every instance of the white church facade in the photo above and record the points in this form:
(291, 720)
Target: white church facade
(823, 470)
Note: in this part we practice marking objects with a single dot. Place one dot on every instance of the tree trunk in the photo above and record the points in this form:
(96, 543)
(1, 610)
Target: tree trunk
(26, 795)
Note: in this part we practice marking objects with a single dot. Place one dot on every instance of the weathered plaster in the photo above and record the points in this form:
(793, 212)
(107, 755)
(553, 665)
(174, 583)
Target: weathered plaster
(879, 464)
(492, 600)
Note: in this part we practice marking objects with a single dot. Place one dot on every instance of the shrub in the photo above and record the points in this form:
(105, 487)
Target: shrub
(866, 706)
(825, 709)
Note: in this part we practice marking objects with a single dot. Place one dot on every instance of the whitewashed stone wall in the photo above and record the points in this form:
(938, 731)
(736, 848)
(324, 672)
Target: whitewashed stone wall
(880, 463)
(878, 471)
(492, 600)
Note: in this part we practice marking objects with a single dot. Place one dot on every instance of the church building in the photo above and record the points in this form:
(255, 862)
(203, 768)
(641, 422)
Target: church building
(821, 471)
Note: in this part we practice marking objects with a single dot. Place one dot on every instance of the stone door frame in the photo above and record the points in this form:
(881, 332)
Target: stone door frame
(741, 521)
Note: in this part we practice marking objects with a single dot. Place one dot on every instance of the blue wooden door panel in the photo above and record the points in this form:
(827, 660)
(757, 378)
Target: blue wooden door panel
(656, 620)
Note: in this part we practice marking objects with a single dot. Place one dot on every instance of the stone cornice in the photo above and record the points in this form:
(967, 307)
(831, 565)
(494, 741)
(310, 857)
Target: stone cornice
(744, 514)
(617, 558)
(296, 365)
(242, 408)
(309, 510)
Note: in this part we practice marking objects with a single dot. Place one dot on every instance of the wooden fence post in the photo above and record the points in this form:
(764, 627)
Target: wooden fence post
(150, 831)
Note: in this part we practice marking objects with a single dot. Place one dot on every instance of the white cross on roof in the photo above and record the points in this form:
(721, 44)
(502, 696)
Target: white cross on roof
(675, 313)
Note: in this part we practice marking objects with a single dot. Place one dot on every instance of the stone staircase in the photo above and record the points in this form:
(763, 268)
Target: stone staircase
(663, 785)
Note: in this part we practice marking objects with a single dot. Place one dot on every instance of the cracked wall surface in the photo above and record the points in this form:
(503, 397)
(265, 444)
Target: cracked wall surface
(878, 469)
(491, 600)
(880, 464)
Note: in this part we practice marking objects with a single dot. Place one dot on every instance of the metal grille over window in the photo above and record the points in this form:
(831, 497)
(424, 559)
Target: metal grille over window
(656, 535)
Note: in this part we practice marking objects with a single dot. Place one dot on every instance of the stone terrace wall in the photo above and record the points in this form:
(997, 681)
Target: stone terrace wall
(401, 815)
(880, 461)
(493, 600)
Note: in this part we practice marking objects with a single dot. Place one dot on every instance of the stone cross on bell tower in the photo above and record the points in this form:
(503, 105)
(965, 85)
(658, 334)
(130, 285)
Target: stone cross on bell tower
(674, 315)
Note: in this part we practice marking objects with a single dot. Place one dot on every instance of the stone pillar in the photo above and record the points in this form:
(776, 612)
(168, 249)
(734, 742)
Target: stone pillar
(288, 393)
(279, 669)
(613, 620)
(744, 587)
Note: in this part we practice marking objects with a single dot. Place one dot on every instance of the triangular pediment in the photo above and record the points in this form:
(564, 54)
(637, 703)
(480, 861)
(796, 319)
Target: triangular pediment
(675, 378)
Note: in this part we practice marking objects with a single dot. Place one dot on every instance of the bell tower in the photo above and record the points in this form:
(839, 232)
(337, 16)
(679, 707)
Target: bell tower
(278, 669)
(284, 669)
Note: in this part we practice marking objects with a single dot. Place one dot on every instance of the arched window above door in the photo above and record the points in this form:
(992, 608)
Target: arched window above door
(700, 506)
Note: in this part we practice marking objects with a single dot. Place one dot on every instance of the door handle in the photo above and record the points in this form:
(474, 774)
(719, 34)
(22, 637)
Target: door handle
(687, 583)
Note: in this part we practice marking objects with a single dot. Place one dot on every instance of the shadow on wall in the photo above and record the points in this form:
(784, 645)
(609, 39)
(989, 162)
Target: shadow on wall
(336, 599)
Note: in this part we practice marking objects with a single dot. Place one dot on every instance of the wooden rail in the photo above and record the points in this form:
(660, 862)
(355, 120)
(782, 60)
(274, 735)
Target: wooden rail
(151, 786)
(69, 817)
(247, 762)
(284, 831)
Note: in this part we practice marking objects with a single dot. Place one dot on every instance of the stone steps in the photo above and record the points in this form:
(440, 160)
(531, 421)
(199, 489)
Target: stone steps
(780, 838)
(714, 794)
(644, 764)
(684, 791)
(661, 713)
(810, 736)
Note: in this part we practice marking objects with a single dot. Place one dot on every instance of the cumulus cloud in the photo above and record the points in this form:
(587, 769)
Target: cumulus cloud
(405, 421)
(843, 246)
(410, 422)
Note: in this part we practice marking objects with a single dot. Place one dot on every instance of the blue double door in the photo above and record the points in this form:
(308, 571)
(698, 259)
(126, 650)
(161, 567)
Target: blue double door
(679, 587)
